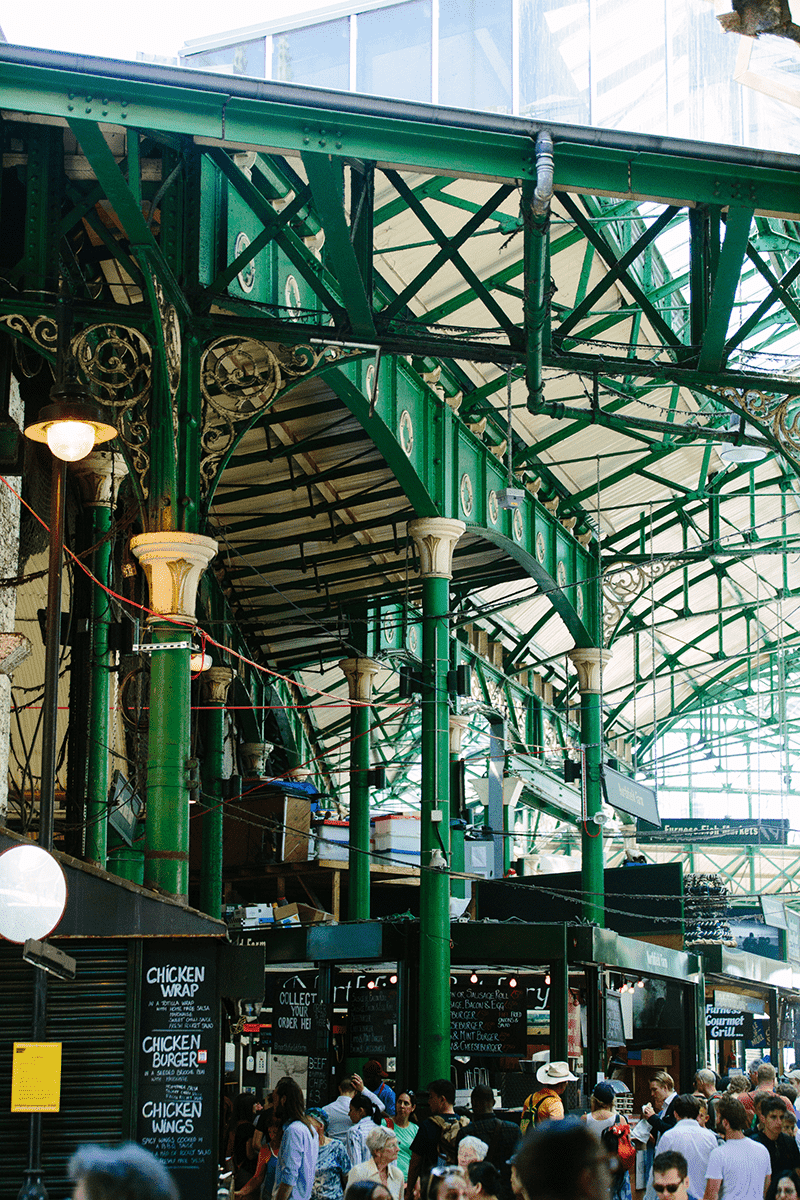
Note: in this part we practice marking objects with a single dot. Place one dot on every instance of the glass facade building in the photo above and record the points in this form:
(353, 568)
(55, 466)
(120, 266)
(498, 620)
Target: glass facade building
(665, 67)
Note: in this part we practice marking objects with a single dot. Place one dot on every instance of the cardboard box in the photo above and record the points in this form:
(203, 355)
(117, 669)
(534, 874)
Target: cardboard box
(256, 915)
(656, 1058)
(299, 914)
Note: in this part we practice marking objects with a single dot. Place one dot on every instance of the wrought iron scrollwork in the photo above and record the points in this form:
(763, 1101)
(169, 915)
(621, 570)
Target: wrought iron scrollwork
(40, 331)
(622, 585)
(773, 413)
(239, 379)
(116, 363)
(171, 331)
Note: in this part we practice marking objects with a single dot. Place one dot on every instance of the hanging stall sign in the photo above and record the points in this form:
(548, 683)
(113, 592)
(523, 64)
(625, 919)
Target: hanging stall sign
(299, 1017)
(178, 1103)
(766, 832)
(630, 797)
(792, 936)
(488, 1019)
(728, 1023)
(372, 1022)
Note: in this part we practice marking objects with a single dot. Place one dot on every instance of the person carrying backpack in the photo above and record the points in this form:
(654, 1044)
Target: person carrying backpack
(436, 1143)
(614, 1133)
(501, 1137)
(545, 1103)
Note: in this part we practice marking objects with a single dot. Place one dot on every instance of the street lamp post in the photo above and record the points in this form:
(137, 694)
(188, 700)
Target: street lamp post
(71, 425)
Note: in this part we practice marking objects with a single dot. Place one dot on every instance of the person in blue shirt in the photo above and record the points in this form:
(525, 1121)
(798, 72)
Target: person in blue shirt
(297, 1157)
(374, 1080)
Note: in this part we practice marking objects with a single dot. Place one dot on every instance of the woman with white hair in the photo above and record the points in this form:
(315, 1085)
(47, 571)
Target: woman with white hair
(381, 1166)
(470, 1150)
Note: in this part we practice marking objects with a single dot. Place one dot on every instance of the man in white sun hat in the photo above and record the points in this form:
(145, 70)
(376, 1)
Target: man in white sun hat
(545, 1103)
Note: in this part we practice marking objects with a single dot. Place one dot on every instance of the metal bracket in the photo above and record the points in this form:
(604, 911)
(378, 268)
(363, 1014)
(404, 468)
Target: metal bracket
(149, 647)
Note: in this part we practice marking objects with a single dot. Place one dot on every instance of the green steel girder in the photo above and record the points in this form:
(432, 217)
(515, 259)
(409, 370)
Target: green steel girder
(37, 271)
(269, 233)
(779, 291)
(129, 211)
(449, 252)
(734, 668)
(726, 281)
(312, 272)
(327, 189)
(678, 509)
(667, 372)
(240, 111)
(618, 272)
(441, 467)
(609, 255)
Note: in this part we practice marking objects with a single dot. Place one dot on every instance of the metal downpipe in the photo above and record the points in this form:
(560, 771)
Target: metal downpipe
(536, 217)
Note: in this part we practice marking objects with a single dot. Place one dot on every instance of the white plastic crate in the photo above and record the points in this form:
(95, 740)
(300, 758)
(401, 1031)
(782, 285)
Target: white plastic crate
(333, 840)
(396, 832)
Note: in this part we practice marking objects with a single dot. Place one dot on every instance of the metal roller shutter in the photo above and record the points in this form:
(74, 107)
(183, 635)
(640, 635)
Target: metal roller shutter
(93, 1017)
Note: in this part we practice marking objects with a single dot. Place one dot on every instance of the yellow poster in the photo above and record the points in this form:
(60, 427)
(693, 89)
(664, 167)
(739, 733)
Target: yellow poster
(36, 1077)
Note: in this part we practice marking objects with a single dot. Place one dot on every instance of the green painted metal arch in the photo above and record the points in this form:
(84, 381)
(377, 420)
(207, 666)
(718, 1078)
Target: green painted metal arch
(349, 382)
(245, 427)
(446, 471)
(557, 595)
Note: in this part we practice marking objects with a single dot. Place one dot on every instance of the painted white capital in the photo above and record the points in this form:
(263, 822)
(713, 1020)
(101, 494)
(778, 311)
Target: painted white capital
(435, 539)
(254, 757)
(100, 475)
(458, 723)
(215, 683)
(173, 563)
(589, 662)
(360, 673)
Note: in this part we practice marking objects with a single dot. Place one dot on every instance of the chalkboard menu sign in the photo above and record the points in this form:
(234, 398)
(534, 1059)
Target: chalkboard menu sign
(299, 1018)
(372, 1022)
(318, 1083)
(489, 1020)
(178, 1104)
(615, 1027)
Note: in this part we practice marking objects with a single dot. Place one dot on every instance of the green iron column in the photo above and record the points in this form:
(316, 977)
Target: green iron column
(214, 686)
(435, 539)
(589, 663)
(360, 673)
(100, 475)
(173, 563)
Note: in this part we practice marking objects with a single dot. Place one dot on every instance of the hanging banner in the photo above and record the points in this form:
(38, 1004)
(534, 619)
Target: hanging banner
(696, 830)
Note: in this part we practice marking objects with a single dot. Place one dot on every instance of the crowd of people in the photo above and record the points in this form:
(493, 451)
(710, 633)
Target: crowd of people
(740, 1143)
(737, 1142)
(367, 1144)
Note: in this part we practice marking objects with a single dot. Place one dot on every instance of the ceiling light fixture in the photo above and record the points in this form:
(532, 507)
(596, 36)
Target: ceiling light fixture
(71, 425)
(738, 452)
